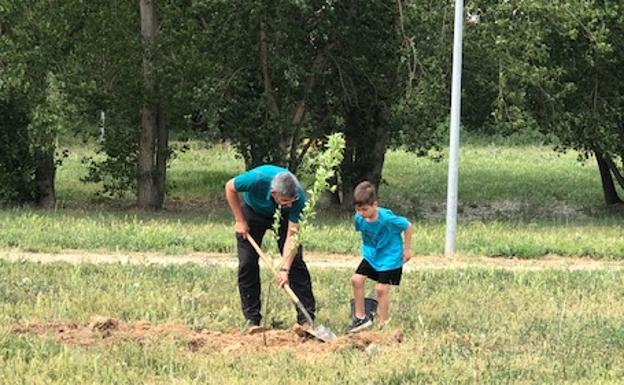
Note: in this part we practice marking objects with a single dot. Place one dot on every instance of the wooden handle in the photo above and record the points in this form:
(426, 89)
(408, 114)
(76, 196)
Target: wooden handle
(263, 257)
(286, 287)
(298, 303)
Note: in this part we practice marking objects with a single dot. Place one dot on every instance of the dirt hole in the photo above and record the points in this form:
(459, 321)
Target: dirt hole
(102, 331)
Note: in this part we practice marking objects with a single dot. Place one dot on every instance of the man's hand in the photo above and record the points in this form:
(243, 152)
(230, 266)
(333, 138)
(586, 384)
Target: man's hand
(231, 195)
(242, 228)
(282, 278)
(407, 255)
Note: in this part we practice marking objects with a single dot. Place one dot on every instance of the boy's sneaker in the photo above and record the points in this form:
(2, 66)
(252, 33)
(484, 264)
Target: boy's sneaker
(360, 324)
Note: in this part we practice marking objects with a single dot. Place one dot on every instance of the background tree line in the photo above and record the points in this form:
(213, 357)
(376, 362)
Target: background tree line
(273, 78)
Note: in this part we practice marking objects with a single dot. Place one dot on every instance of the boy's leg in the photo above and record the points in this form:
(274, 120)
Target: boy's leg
(357, 282)
(363, 271)
(383, 298)
(361, 320)
(386, 279)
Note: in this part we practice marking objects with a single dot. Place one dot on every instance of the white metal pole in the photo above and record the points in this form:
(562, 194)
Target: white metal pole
(453, 170)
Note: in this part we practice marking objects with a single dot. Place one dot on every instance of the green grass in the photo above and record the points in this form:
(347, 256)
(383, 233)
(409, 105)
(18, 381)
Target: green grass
(515, 201)
(178, 233)
(462, 327)
(196, 174)
(475, 326)
(531, 176)
(534, 178)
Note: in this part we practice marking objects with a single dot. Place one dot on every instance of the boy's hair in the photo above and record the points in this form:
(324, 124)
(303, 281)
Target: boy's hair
(285, 183)
(364, 194)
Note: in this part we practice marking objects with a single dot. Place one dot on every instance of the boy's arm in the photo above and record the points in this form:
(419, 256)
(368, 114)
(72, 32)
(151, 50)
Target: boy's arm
(407, 244)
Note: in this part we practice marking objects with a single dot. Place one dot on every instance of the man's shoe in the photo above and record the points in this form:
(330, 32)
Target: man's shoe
(302, 330)
(360, 324)
(253, 327)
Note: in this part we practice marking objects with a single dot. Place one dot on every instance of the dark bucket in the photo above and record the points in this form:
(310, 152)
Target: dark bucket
(370, 307)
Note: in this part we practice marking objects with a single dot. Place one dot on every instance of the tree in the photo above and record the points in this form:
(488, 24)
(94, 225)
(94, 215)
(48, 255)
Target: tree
(287, 73)
(421, 113)
(116, 69)
(267, 58)
(558, 71)
(104, 75)
(16, 164)
(364, 81)
(588, 50)
(32, 48)
(154, 137)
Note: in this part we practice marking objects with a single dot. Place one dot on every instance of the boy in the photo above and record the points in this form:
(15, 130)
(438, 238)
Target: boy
(383, 252)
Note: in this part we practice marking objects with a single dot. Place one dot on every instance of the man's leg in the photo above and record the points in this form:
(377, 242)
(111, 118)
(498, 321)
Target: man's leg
(301, 283)
(299, 277)
(249, 270)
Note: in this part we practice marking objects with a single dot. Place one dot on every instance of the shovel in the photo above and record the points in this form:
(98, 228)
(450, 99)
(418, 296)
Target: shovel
(318, 331)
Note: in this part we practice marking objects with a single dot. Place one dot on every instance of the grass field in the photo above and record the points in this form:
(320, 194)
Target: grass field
(515, 201)
(461, 327)
(180, 324)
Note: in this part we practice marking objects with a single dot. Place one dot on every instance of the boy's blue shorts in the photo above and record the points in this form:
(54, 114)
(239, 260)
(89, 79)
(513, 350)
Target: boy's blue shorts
(390, 277)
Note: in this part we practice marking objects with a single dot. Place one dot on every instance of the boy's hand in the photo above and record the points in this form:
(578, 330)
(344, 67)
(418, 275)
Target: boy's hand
(407, 255)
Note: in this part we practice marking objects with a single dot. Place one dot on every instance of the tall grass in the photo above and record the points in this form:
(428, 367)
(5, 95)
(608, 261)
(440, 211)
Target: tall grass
(521, 201)
(461, 326)
(166, 233)
(534, 177)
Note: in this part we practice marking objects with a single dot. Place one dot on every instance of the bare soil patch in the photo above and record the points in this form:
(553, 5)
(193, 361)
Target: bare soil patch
(105, 331)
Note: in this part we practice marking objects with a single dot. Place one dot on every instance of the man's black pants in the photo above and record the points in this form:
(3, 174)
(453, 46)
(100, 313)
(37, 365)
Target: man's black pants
(249, 269)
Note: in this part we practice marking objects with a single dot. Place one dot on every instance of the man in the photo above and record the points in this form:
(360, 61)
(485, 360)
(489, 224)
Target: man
(265, 189)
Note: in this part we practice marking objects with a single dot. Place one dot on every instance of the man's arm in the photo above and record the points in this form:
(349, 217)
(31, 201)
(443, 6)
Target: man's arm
(231, 195)
(288, 255)
(407, 243)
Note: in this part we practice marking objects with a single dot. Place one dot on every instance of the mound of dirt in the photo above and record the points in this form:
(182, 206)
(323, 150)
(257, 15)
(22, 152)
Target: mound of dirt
(108, 331)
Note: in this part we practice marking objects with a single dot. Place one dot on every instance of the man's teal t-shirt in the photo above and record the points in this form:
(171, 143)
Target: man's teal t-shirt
(255, 185)
(382, 244)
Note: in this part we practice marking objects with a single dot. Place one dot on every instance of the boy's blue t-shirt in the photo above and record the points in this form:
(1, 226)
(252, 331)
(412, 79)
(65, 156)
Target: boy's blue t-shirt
(382, 244)
(255, 185)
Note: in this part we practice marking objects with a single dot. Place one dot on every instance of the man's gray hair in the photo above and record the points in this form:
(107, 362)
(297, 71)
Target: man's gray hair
(285, 183)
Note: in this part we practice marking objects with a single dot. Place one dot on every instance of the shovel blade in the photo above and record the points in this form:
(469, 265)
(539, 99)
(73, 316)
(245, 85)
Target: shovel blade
(323, 333)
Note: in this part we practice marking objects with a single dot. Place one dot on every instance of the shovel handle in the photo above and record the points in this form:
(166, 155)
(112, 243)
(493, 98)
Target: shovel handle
(286, 287)
(263, 257)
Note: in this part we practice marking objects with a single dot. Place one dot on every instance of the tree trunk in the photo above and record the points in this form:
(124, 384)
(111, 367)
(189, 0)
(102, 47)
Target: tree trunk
(300, 109)
(365, 151)
(378, 154)
(149, 183)
(608, 187)
(147, 190)
(162, 153)
(348, 175)
(45, 172)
